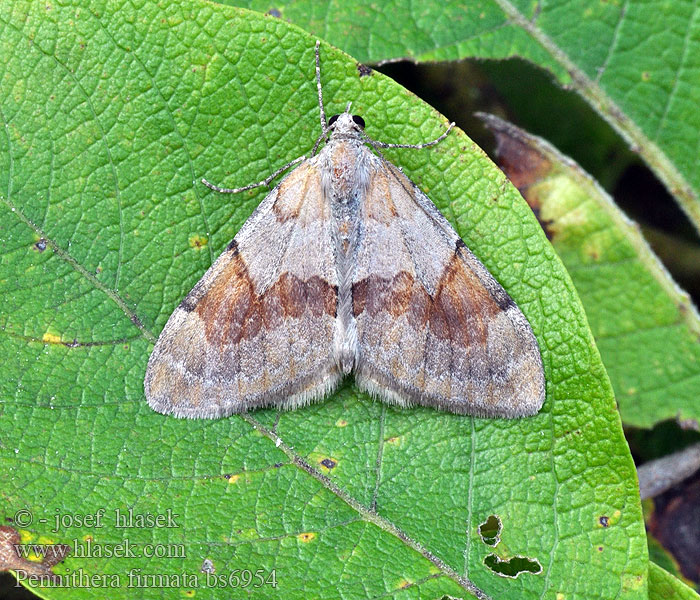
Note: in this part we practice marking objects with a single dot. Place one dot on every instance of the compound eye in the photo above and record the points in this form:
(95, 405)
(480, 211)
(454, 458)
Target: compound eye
(332, 120)
(359, 121)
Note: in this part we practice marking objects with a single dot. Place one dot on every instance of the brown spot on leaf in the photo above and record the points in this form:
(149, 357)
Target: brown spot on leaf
(363, 70)
(329, 463)
(136, 321)
(522, 162)
(198, 241)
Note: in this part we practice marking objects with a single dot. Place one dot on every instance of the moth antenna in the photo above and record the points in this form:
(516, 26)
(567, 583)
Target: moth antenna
(324, 122)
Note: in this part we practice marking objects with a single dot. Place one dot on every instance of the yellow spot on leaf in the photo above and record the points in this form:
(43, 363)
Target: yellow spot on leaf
(632, 582)
(404, 583)
(341, 423)
(307, 536)
(560, 596)
(198, 241)
(646, 76)
(189, 593)
(394, 439)
(233, 478)
(25, 536)
(51, 338)
(46, 541)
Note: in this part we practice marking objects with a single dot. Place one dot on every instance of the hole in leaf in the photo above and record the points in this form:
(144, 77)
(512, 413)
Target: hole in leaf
(513, 566)
(490, 531)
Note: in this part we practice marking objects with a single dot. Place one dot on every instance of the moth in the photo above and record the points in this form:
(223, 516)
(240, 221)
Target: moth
(346, 267)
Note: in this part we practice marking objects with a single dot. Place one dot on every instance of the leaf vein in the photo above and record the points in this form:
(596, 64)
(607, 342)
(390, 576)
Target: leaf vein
(366, 513)
(677, 72)
(613, 42)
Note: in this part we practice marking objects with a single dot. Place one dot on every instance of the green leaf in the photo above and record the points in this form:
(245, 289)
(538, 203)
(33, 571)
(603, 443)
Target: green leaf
(645, 326)
(111, 113)
(635, 62)
(664, 586)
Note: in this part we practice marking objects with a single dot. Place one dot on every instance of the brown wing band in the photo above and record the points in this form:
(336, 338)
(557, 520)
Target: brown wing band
(460, 310)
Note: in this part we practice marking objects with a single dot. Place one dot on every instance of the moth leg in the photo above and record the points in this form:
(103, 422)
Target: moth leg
(377, 145)
(415, 146)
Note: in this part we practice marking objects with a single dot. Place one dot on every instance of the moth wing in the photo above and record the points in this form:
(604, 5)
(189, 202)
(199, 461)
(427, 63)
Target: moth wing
(434, 327)
(258, 328)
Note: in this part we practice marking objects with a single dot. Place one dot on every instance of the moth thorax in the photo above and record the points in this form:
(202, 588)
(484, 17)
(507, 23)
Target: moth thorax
(349, 175)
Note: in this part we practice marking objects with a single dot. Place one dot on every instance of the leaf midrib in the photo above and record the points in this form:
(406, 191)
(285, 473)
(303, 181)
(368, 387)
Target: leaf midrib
(365, 513)
(66, 256)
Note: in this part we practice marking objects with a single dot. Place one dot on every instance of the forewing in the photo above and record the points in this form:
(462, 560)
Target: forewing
(258, 328)
(434, 327)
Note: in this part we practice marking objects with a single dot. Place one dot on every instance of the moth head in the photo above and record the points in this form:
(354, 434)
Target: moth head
(346, 123)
